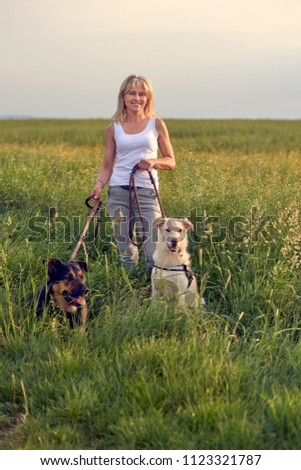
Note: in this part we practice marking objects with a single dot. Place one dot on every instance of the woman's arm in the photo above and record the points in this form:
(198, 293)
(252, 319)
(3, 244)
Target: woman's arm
(167, 161)
(106, 168)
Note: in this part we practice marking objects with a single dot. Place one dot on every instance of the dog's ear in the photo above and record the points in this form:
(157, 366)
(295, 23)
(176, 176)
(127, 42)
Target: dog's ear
(187, 224)
(82, 264)
(53, 264)
(158, 222)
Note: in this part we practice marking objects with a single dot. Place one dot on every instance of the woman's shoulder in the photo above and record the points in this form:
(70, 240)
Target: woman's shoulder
(160, 124)
(113, 125)
(110, 130)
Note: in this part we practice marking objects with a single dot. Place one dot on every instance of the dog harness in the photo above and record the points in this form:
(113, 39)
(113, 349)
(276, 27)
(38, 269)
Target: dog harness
(182, 268)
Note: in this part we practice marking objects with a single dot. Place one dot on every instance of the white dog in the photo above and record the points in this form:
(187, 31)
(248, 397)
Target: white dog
(171, 275)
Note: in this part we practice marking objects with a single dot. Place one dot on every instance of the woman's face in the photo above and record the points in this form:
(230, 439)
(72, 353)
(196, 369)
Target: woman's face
(135, 99)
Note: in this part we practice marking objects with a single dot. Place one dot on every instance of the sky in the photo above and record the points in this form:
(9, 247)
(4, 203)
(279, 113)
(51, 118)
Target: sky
(205, 58)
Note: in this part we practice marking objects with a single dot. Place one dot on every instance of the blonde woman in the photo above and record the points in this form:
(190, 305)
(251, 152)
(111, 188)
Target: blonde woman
(133, 138)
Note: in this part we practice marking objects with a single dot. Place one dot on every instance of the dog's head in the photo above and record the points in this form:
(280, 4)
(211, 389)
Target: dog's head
(68, 280)
(173, 232)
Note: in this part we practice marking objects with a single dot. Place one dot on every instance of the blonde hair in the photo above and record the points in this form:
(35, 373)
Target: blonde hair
(129, 83)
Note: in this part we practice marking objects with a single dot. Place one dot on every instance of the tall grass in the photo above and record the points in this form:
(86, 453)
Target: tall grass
(145, 375)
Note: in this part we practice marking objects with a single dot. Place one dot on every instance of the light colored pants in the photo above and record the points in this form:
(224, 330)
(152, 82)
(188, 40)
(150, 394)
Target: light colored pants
(118, 207)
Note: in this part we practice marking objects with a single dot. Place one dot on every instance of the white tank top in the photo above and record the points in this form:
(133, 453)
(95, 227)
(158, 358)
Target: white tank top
(130, 149)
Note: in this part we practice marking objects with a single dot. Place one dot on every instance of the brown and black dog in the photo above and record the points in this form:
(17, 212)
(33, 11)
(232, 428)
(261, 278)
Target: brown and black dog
(65, 289)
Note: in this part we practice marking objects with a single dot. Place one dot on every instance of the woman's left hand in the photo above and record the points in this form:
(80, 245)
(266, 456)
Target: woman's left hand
(146, 164)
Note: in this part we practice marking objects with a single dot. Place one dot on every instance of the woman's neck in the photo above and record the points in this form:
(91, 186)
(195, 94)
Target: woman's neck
(132, 118)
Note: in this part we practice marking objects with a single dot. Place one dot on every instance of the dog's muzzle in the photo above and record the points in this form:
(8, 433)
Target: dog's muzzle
(172, 245)
(77, 300)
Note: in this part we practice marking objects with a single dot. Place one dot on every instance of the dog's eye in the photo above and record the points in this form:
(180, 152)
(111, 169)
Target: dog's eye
(167, 230)
(180, 230)
(69, 278)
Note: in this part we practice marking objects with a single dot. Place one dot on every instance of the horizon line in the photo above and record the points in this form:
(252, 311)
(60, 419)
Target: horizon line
(28, 117)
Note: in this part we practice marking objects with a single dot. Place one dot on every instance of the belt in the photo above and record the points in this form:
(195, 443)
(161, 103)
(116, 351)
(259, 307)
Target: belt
(127, 187)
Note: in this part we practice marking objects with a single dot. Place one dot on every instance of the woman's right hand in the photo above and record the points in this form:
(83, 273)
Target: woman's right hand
(96, 191)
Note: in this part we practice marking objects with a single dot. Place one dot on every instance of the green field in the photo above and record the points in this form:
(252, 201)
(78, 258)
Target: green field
(144, 375)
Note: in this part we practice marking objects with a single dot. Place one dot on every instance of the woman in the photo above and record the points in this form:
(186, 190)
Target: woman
(133, 138)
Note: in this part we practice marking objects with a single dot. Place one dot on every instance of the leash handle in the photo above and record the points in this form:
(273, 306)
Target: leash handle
(135, 168)
(97, 202)
(132, 186)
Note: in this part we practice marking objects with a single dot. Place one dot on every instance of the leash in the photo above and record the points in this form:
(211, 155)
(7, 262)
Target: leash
(94, 210)
(133, 189)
